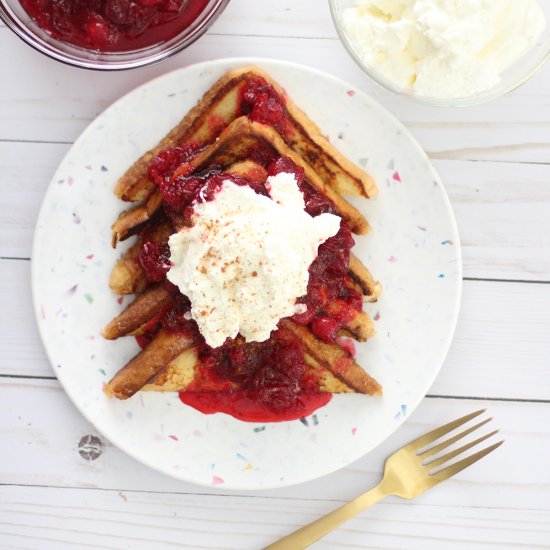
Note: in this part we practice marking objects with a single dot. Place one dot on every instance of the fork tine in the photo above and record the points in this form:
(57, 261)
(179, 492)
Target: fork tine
(436, 448)
(450, 471)
(445, 458)
(424, 440)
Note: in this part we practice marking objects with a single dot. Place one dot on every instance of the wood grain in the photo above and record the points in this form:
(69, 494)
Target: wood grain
(502, 214)
(28, 167)
(35, 517)
(513, 128)
(54, 437)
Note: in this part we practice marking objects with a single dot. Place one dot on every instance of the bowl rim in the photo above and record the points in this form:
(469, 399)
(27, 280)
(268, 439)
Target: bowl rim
(469, 101)
(29, 38)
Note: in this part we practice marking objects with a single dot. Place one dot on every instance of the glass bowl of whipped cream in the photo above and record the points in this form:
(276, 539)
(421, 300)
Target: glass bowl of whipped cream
(446, 53)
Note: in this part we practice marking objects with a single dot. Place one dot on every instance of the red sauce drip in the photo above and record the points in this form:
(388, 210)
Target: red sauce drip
(272, 374)
(347, 344)
(114, 25)
(242, 407)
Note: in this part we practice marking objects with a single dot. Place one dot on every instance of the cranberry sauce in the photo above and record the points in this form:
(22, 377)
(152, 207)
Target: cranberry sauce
(330, 301)
(261, 103)
(114, 25)
(258, 381)
(155, 260)
(181, 192)
(163, 165)
(238, 405)
(255, 381)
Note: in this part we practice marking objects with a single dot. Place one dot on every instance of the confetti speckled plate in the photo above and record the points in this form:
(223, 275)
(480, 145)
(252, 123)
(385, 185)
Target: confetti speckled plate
(413, 250)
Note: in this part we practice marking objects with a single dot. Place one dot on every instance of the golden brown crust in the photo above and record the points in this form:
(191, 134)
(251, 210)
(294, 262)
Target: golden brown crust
(360, 328)
(141, 310)
(335, 359)
(132, 220)
(370, 288)
(128, 277)
(249, 170)
(165, 347)
(327, 381)
(178, 374)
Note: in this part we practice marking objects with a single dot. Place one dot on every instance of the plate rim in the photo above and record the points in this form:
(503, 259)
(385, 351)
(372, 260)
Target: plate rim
(412, 404)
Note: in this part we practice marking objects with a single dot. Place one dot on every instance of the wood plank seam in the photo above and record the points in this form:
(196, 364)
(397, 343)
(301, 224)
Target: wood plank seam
(439, 155)
(428, 396)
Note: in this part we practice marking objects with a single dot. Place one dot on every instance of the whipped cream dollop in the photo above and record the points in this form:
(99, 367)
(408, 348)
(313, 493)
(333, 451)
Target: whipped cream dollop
(245, 260)
(443, 48)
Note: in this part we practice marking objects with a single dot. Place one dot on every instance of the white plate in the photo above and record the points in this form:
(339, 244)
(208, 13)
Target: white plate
(413, 250)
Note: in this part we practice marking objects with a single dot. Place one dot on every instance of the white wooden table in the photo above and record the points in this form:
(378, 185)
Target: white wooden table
(495, 162)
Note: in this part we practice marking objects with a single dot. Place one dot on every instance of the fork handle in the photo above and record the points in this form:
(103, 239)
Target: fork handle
(302, 538)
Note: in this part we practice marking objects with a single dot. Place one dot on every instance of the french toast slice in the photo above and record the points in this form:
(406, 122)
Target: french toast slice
(220, 106)
(170, 363)
(370, 288)
(240, 141)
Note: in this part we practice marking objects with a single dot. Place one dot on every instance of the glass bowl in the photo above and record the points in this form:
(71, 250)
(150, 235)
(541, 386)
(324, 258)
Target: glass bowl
(513, 77)
(17, 19)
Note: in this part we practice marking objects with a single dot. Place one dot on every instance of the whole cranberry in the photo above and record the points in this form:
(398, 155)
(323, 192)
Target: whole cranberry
(325, 328)
(286, 164)
(117, 11)
(99, 32)
(180, 192)
(155, 260)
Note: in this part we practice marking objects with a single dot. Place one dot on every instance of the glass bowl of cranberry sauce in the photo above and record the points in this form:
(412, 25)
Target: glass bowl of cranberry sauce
(110, 34)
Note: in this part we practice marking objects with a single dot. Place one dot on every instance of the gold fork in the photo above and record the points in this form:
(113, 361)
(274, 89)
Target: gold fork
(407, 474)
